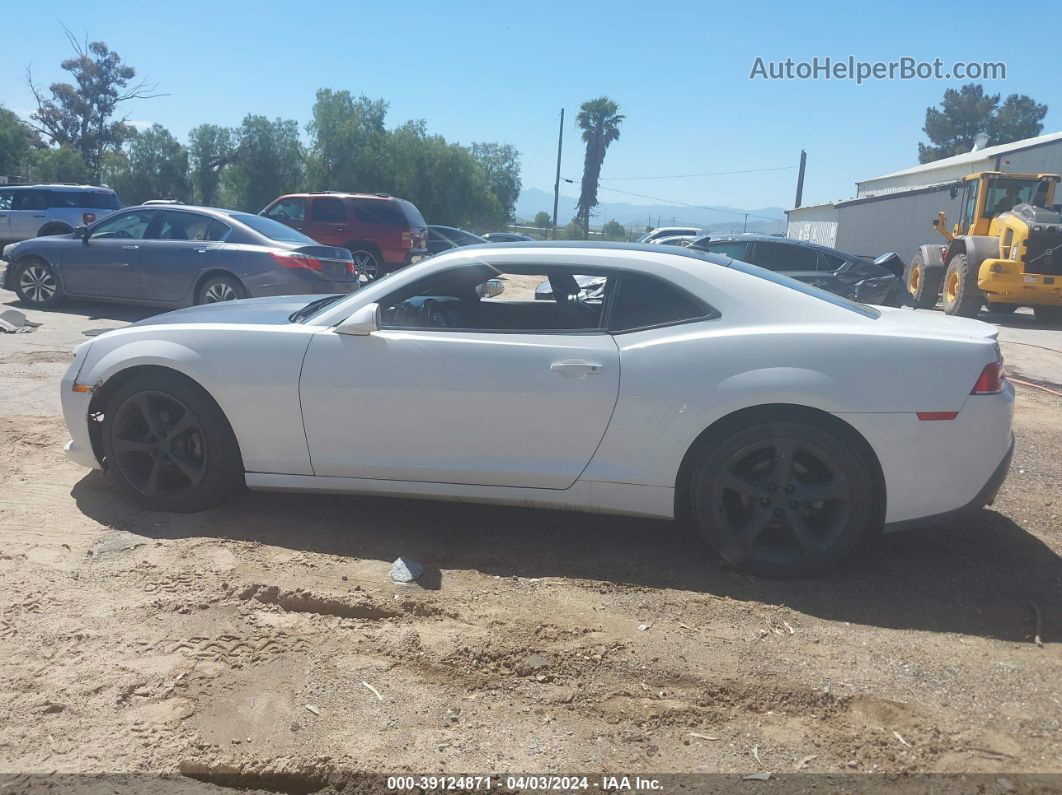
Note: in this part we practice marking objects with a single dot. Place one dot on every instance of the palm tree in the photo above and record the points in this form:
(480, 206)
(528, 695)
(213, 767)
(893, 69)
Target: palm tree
(599, 120)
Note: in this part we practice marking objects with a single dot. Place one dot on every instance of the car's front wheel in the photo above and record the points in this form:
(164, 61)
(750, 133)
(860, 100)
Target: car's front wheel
(783, 498)
(169, 445)
(36, 284)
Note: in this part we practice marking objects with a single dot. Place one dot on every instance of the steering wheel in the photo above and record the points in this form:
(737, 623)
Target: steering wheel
(433, 315)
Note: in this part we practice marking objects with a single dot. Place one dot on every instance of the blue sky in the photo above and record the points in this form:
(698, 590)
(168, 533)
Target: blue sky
(497, 72)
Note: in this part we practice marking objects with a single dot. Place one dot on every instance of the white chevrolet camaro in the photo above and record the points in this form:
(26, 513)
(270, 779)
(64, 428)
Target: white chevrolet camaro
(787, 422)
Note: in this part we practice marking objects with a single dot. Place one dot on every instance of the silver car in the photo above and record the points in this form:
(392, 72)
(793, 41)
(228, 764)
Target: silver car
(175, 256)
(28, 211)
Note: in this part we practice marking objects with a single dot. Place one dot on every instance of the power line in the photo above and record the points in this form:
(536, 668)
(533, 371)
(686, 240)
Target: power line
(684, 204)
(707, 173)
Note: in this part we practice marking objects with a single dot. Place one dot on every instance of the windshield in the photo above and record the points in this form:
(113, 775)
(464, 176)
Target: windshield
(274, 230)
(1005, 194)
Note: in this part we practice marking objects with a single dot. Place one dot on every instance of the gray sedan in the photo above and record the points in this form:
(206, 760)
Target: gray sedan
(175, 256)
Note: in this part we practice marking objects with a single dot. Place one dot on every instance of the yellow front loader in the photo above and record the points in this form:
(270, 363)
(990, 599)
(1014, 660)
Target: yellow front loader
(1005, 251)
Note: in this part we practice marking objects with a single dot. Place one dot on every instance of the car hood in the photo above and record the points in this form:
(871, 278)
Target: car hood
(269, 311)
(930, 322)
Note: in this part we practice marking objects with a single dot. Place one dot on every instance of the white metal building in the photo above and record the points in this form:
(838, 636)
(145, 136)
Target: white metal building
(894, 212)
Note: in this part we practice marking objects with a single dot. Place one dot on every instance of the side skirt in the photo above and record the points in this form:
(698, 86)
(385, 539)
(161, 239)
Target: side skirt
(656, 502)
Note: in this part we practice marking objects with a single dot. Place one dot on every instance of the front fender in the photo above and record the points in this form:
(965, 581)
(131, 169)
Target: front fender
(140, 353)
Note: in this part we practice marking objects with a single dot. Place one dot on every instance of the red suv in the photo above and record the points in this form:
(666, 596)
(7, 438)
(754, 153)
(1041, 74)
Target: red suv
(381, 232)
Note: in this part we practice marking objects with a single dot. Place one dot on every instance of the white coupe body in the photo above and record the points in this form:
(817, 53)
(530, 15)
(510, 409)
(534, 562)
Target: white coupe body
(583, 419)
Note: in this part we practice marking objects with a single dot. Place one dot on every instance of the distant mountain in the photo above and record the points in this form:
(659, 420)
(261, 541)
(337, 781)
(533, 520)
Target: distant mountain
(723, 219)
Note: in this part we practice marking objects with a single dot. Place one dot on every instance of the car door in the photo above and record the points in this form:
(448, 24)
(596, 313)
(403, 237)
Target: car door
(328, 221)
(524, 407)
(28, 213)
(6, 198)
(107, 262)
(181, 246)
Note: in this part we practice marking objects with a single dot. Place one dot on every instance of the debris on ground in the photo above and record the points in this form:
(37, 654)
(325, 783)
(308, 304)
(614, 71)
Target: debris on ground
(14, 322)
(375, 692)
(405, 570)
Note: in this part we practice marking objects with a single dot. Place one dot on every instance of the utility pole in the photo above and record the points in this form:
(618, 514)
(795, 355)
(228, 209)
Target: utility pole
(556, 185)
(745, 226)
(800, 178)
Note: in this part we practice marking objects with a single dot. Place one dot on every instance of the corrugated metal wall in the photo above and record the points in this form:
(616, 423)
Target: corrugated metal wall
(900, 223)
(816, 224)
(1045, 159)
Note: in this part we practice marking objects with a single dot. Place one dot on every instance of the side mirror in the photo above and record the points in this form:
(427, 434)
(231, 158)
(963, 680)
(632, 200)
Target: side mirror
(490, 288)
(81, 233)
(954, 192)
(936, 222)
(364, 321)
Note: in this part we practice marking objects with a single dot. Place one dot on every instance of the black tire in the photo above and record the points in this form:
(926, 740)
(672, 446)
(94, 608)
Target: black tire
(368, 261)
(54, 229)
(36, 283)
(219, 288)
(961, 296)
(1001, 309)
(1048, 314)
(752, 493)
(923, 284)
(168, 444)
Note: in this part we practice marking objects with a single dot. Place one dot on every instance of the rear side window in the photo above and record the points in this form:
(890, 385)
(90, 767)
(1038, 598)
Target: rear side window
(188, 226)
(89, 200)
(645, 301)
(328, 210)
(734, 249)
(5, 199)
(380, 211)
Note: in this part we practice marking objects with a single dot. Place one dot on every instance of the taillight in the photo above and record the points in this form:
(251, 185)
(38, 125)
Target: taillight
(407, 240)
(352, 269)
(293, 259)
(88, 218)
(991, 380)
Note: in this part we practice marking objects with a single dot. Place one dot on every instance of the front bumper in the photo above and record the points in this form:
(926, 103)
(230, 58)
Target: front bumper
(1011, 285)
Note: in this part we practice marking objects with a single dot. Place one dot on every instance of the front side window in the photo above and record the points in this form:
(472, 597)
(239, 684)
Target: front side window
(646, 301)
(328, 211)
(1005, 194)
(31, 200)
(124, 226)
(480, 297)
(288, 210)
(185, 226)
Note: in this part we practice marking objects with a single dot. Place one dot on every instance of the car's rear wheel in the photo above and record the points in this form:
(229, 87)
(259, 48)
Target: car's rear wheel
(367, 261)
(961, 296)
(219, 288)
(168, 444)
(784, 498)
(922, 284)
(36, 284)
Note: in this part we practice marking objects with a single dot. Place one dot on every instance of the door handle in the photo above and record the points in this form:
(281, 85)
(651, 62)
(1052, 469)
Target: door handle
(130, 248)
(39, 216)
(200, 250)
(572, 368)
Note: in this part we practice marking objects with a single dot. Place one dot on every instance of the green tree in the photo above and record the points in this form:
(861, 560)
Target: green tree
(154, 167)
(542, 219)
(600, 120)
(58, 164)
(17, 140)
(210, 149)
(80, 115)
(614, 230)
(501, 166)
(968, 111)
(348, 144)
(269, 163)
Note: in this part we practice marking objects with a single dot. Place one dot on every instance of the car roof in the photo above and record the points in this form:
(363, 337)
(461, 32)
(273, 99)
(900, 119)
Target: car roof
(339, 194)
(63, 186)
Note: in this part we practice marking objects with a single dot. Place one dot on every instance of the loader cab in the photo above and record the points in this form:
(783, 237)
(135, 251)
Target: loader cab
(990, 194)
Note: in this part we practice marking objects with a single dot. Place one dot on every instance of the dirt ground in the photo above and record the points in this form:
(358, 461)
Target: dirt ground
(262, 643)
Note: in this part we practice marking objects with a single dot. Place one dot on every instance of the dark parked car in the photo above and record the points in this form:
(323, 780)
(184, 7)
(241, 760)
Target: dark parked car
(170, 256)
(444, 238)
(877, 282)
(382, 233)
(506, 237)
